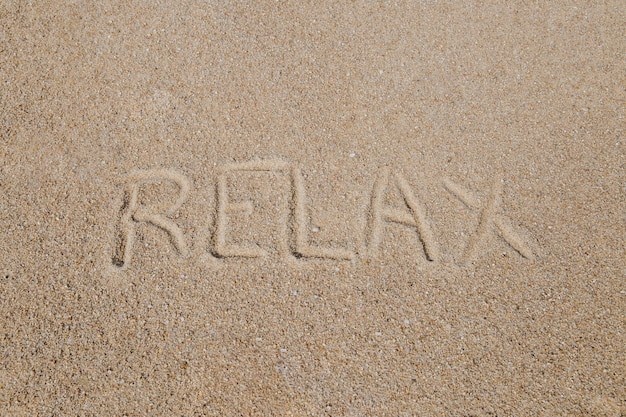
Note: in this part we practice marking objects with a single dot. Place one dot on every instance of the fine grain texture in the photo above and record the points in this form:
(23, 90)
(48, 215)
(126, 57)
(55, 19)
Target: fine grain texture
(297, 208)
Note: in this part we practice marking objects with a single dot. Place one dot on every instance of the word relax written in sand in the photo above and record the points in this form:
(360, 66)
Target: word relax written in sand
(133, 214)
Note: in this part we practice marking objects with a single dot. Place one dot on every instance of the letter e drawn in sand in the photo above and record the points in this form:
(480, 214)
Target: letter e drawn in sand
(416, 217)
(132, 213)
(302, 246)
(489, 219)
(224, 207)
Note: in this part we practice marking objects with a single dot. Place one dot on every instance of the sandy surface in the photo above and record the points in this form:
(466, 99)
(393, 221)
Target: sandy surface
(350, 209)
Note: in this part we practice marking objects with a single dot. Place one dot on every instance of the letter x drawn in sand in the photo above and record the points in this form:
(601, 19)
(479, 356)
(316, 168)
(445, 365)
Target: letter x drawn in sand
(490, 220)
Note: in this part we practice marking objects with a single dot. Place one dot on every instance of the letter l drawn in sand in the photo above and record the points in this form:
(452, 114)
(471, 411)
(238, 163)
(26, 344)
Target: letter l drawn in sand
(302, 246)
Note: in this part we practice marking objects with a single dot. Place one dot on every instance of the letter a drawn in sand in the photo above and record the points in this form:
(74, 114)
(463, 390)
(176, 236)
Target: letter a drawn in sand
(489, 219)
(133, 213)
(416, 217)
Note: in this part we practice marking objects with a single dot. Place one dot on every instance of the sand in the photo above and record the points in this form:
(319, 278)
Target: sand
(313, 208)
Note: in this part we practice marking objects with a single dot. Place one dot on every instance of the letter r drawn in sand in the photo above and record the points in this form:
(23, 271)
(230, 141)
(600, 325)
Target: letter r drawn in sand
(132, 213)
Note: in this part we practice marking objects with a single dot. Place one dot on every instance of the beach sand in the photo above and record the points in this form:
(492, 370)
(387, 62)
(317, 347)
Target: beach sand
(313, 208)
